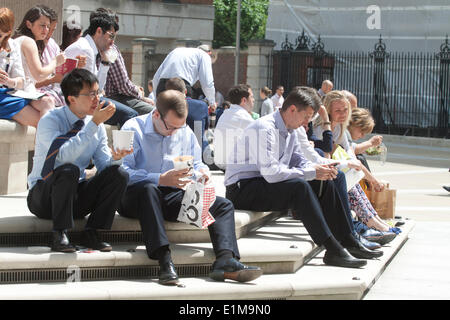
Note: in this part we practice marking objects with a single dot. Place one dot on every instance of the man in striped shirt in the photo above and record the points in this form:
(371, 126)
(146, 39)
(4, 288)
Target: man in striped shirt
(119, 87)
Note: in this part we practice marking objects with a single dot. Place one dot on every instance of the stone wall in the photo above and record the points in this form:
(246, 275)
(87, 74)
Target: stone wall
(20, 7)
(223, 69)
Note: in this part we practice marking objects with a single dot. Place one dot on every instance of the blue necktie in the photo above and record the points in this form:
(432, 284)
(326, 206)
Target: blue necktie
(49, 164)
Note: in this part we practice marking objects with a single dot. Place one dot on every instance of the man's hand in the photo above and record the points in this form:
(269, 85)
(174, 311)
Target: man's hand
(173, 178)
(148, 100)
(103, 114)
(325, 172)
(205, 175)
(119, 154)
(81, 61)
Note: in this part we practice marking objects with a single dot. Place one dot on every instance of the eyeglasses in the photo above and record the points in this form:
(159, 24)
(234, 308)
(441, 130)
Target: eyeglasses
(112, 36)
(91, 94)
(171, 129)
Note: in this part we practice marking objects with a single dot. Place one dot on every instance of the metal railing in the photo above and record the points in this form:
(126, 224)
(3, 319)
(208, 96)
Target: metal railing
(407, 93)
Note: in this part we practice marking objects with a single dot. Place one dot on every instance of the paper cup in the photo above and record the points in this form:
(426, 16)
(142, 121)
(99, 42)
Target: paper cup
(183, 162)
(122, 139)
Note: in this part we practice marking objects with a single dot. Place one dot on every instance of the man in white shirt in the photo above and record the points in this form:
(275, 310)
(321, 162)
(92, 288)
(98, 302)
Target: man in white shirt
(191, 65)
(278, 98)
(232, 122)
(270, 173)
(326, 87)
(99, 39)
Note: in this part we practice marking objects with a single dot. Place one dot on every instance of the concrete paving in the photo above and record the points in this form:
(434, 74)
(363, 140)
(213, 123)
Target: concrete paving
(420, 269)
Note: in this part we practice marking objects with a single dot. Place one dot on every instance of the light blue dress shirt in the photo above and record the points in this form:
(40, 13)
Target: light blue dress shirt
(268, 149)
(153, 153)
(90, 143)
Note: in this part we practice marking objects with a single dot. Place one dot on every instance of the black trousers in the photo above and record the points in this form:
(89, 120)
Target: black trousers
(153, 204)
(63, 198)
(322, 216)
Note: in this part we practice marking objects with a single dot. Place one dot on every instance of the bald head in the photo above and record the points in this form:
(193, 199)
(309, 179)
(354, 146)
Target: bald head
(327, 86)
(351, 98)
(172, 100)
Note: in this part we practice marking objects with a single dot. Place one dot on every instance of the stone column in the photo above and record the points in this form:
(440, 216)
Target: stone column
(258, 64)
(15, 142)
(143, 49)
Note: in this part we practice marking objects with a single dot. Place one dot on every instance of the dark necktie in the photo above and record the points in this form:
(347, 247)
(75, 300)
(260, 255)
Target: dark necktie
(49, 164)
(98, 59)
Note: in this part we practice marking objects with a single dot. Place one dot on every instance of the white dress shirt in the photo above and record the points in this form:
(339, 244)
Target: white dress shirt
(86, 46)
(308, 149)
(231, 125)
(277, 101)
(190, 64)
(268, 149)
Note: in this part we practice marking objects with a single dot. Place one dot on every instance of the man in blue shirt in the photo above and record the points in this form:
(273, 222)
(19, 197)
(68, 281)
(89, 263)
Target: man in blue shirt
(155, 193)
(58, 188)
(269, 173)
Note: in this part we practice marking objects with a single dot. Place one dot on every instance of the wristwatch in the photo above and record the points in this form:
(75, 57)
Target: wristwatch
(106, 63)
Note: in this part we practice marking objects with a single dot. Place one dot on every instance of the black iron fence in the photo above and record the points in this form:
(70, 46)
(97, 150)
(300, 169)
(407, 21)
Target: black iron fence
(407, 93)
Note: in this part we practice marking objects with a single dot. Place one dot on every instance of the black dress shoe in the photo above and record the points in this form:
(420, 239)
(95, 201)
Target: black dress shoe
(234, 270)
(89, 239)
(361, 252)
(61, 242)
(343, 259)
(167, 274)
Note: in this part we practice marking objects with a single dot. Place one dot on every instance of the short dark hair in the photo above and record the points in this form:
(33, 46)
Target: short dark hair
(176, 84)
(238, 92)
(172, 100)
(315, 98)
(300, 98)
(74, 81)
(104, 21)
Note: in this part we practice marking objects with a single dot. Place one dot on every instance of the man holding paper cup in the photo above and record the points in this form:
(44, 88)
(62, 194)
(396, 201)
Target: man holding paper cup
(165, 152)
(67, 139)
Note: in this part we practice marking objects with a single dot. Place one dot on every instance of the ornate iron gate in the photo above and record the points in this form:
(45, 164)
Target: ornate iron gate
(407, 93)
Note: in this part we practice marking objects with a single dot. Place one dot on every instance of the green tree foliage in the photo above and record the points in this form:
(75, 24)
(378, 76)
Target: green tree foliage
(253, 21)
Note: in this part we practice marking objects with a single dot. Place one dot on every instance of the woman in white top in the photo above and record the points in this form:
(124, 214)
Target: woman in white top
(30, 37)
(338, 108)
(25, 112)
(267, 104)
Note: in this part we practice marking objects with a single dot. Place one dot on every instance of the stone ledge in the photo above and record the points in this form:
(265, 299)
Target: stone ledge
(30, 230)
(313, 281)
(264, 248)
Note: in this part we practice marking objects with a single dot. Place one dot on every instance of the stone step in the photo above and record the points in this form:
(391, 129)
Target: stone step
(281, 246)
(18, 227)
(312, 281)
(28, 230)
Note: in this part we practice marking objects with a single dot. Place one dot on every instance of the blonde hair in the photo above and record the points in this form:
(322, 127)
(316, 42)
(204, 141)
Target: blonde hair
(362, 118)
(330, 98)
(266, 91)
